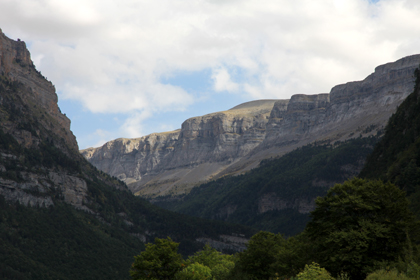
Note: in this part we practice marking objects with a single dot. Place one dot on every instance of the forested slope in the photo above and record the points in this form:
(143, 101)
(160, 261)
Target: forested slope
(278, 195)
(396, 157)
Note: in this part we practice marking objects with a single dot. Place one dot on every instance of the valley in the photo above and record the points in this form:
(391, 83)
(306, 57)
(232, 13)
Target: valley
(262, 179)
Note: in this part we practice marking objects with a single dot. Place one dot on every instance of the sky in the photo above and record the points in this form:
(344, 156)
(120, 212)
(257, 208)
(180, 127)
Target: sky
(128, 68)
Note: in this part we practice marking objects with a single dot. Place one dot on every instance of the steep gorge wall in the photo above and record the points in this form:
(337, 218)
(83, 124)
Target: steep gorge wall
(29, 112)
(40, 96)
(236, 140)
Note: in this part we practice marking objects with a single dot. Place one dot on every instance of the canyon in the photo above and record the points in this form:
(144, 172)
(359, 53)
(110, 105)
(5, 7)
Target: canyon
(235, 141)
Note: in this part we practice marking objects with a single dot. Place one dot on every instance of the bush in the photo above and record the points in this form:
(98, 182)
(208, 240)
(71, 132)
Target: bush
(158, 261)
(383, 274)
(314, 272)
(195, 271)
(413, 270)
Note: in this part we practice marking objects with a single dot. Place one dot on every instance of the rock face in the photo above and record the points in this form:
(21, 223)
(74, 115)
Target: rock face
(356, 104)
(236, 140)
(73, 189)
(16, 65)
(199, 150)
(270, 201)
(30, 114)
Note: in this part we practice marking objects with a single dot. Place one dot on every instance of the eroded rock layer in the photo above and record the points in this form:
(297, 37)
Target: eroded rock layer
(30, 114)
(236, 140)
(39, 96)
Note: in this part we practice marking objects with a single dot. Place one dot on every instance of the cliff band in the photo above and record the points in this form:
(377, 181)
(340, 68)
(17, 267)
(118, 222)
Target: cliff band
(236, 140)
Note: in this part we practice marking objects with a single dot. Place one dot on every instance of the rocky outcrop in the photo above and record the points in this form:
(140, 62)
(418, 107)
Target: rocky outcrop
(29, 113)
(160, 162)
(36, 190)
(226, 242)
(39, 97)
(11, 191)
(234, 141)
(348, 107)
(270, 201)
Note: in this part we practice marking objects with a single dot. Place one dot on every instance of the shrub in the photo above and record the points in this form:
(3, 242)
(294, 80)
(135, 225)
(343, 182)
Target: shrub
(383, 274)
(314, 272)
(413, 270)
(195, 271)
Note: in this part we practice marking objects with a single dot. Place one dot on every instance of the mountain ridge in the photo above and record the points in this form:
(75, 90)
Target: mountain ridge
(219, 144)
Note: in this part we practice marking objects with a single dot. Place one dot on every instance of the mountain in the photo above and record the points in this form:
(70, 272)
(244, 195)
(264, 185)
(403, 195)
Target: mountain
(60, 217)
(396, 158)
(237, 140)
(278, 195)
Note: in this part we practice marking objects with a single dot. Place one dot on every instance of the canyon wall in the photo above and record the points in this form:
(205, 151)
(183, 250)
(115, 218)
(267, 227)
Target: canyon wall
(236, 140)
(39, 96)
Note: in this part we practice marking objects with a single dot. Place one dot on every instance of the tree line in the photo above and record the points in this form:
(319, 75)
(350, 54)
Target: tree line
(359, 230)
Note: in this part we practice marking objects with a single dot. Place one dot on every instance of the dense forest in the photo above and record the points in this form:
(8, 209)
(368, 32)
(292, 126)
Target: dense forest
(362, 229)
(301, 175)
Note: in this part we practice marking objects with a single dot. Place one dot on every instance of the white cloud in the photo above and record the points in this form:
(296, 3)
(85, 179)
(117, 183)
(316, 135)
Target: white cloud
(132, 127)
(111, 55)
(222, 80)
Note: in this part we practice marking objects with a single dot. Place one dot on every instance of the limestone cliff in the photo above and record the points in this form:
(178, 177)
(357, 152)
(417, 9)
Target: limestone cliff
(236, 140)
(199, 150)
(39, 95)
(30, 114)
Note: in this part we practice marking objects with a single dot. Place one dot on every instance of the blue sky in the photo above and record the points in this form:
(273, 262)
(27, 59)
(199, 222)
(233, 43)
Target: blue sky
(129, 68)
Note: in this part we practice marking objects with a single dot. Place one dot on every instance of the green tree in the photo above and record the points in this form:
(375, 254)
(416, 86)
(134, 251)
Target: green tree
(383, 274)
(314, 272)
(258, 260)
(359, 223)
(220, 264)
(292, 256)
(158, 261)
(195, 271)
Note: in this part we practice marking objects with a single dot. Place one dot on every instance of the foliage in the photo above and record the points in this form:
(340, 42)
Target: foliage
(413, 270)
(360, 222)
(210, 257)
(261, 253)
(195, 271)
(222, 270)
(314, 272)
(343, 276)
(293, 256)
(270, 256)
(61, 243)
(159, 261)
(293, 176)
(219, 264)
(383, 274)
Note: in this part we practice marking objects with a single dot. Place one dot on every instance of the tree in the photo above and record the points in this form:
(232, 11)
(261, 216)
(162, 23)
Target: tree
(293, 255)
(261, 254)
(220, 264)
(359, 223)
(314, 272)
(195, 271)
(158, 261)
